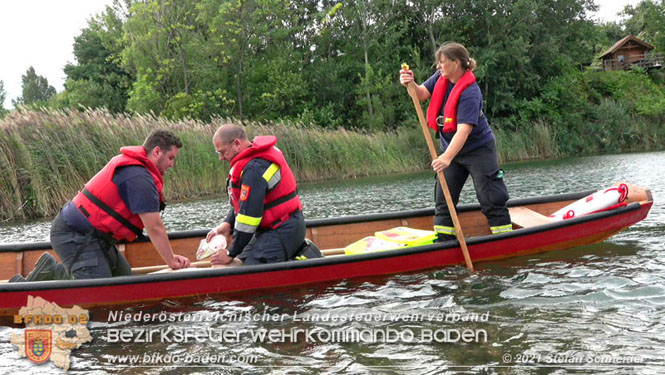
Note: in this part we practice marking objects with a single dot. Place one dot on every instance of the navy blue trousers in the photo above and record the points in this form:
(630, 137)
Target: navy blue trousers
(85, 255)
(275, 245)
(483, 166)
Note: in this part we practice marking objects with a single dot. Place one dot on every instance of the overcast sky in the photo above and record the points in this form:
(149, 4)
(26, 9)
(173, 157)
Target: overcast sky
(40, 33)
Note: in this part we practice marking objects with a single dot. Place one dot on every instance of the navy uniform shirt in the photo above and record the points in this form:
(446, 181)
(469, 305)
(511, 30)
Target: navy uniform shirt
(469, 111)
(137, 189)
(250, 206)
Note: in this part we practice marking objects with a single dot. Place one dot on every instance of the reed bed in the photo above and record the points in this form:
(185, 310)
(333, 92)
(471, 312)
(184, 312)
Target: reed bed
(536, 142)
(48, 155)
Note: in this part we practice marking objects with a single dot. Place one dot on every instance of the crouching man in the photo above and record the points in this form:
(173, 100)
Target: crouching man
(266, 213)
(115, 205)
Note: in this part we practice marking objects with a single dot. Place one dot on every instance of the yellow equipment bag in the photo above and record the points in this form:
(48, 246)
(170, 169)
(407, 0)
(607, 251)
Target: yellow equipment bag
(390, 239)
(407, 236)
(369, 245)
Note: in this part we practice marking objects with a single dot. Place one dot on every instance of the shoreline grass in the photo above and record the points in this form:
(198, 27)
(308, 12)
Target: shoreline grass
(48, 155)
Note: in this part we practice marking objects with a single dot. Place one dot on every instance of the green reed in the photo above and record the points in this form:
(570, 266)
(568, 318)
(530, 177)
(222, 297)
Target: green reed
(48, 155)
(535, 142)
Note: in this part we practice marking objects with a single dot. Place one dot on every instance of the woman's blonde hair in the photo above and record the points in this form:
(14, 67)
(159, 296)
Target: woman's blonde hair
(455, 51)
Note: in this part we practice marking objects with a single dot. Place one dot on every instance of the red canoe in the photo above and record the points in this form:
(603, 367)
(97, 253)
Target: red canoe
(534, 233)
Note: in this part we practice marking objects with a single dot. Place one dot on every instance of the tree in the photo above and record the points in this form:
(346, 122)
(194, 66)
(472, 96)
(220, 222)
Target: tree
(165, 50)
(36, 89)
(231, 34)
(327, 62)
(647, 22)
(606, 34)
(359, 45)
(98, 79)
(275, 80)
(259, 51)
(3, 96)
(518, 45)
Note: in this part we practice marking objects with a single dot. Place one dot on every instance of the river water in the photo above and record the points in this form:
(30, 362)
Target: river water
(588, 310)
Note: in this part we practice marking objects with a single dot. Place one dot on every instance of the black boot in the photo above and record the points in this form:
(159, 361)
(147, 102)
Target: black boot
(17, 279)
(60, 272)
(46, 268)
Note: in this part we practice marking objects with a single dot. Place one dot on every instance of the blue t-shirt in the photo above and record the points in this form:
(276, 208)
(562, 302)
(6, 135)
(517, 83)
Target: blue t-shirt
(469, 111)
(137, 189)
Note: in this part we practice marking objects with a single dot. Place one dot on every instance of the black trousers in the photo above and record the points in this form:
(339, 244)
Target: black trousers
(84, 255)
(483, 166)
(275, 245)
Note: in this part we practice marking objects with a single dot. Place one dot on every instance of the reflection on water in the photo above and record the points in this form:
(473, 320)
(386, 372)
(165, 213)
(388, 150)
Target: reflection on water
(580, 311)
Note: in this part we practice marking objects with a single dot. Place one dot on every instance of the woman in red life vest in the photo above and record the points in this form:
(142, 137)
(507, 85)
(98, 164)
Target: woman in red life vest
(455, 112)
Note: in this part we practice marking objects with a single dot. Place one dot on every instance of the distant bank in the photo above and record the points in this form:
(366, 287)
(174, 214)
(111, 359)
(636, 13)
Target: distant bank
(48, 155)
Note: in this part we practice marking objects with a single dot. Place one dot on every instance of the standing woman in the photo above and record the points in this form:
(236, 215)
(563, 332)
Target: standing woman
(467, 143)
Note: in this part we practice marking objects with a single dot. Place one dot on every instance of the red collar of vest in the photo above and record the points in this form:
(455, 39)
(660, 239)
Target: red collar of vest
(450, 110)
(260, 143)
(138, 153)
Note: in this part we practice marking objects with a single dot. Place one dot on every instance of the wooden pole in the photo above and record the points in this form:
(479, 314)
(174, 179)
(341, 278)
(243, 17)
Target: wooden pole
(148, 269)
(206, 263)
(411, 88)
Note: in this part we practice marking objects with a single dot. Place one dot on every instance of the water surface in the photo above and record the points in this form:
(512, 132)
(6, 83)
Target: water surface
(588, 310)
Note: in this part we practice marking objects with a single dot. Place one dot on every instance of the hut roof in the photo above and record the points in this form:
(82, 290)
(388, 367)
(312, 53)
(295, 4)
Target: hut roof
(625, 40)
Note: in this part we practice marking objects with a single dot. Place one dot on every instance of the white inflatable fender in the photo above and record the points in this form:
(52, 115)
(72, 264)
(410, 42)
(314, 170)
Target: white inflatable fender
(598, 201)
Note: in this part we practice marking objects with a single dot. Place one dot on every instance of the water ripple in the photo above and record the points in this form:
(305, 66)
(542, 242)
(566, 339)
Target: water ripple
(604, 299)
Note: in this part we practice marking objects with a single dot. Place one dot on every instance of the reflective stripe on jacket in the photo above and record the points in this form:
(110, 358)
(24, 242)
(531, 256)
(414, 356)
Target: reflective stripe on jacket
(281, 199)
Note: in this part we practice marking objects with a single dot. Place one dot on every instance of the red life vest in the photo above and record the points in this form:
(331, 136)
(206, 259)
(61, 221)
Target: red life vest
(450, 110)
(104, 191)
(279, 202)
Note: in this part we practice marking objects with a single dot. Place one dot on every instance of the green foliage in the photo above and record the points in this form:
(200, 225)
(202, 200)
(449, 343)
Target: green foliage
(87, 93)
(36, 90)
(199, 105)
(534, 141)
(329, 65)
(3, 96)
(160, 50)
(145, 95)
(595, 112)
(646, 20)
(325, 117)
(98, 80)
(332, 63)
(634, 89)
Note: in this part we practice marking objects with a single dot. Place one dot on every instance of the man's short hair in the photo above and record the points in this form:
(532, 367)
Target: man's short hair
(162, 138)
(227, 133)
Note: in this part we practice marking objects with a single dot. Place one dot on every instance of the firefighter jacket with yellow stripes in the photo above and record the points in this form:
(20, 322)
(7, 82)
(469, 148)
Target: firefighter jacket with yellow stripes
(281, 198)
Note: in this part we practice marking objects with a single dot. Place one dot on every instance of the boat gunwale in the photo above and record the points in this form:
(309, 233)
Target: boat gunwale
(313, 223)
(310, 263)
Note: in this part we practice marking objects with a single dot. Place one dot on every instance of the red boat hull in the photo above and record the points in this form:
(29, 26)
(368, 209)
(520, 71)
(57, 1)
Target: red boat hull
(132, 289)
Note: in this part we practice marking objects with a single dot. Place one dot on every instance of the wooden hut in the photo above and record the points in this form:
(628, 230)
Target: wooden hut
(630, 51)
